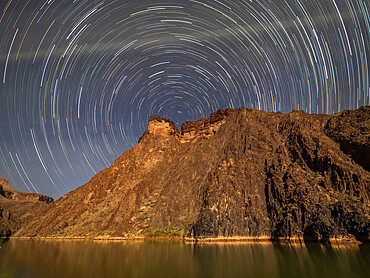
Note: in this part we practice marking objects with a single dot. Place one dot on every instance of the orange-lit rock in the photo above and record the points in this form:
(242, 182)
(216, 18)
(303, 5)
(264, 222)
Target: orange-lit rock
(238, 173)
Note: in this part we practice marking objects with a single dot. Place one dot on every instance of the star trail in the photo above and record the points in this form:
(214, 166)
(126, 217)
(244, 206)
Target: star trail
(80, 79)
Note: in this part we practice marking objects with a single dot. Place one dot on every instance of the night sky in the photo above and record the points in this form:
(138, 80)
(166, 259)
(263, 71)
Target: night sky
(80, 79)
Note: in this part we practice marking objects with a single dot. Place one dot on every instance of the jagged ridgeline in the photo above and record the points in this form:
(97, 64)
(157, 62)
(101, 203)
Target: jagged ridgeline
(239, 173)
(18, 208)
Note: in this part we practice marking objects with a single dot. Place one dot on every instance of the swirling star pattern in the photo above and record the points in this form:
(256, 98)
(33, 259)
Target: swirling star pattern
(80, 79)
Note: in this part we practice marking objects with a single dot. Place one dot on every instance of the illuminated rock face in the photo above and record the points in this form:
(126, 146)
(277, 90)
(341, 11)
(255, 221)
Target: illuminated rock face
(161, 126)
(18, 208)
(190, 131)
(4, 183)
(206, 127)
(237, 173)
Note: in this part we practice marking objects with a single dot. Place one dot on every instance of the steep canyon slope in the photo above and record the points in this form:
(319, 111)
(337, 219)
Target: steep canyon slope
(237, 173)
(18, 208)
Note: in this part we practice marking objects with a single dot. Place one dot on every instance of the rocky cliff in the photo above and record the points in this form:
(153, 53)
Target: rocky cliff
(238, 173)
(18, 208)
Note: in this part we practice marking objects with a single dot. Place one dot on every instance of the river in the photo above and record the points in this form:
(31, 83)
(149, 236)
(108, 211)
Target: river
(47, 258)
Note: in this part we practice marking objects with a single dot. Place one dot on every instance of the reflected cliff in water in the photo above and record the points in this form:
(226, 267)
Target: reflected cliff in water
(34, 258)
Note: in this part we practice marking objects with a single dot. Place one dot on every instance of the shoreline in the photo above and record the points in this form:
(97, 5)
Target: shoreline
(236, 239)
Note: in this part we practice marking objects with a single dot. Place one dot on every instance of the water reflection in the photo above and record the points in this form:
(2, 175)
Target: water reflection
(34, 258)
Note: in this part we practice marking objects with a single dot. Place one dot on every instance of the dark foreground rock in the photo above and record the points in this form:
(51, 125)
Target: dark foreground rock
(237, 173)
(18, 208)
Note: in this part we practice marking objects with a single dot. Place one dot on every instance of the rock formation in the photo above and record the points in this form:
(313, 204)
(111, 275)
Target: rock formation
(237, 173)
(17, 208)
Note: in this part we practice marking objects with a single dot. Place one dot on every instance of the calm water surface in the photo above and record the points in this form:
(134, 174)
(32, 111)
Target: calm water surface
(34, 258)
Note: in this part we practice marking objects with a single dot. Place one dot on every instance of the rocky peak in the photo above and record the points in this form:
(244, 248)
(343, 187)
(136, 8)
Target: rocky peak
(205, 127)
(161, 126)
(190, 130)
(4, 183)
(5, 188)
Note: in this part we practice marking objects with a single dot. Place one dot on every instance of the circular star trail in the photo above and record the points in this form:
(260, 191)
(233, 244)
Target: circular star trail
(80, 79)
